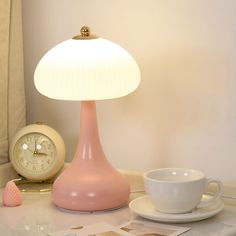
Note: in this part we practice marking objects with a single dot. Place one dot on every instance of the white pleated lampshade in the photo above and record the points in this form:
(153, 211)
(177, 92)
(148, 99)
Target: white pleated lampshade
(90, 69)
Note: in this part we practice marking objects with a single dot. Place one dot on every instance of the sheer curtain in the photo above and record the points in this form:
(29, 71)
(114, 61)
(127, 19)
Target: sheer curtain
(12, 97)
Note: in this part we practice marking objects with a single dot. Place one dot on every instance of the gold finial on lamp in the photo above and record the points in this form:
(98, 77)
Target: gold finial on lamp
(85, 34)
(85, 31)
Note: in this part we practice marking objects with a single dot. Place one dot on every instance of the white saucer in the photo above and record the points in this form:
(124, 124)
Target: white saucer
(144, 207)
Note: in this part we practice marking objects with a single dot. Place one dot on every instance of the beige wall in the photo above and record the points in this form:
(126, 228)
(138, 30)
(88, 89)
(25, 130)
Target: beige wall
(183, 113)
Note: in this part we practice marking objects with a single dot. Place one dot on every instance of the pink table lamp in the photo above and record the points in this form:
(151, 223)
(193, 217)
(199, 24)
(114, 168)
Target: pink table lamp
(88, 68)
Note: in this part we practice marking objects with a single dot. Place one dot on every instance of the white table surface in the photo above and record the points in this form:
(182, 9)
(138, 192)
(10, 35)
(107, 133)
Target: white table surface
(38, 215)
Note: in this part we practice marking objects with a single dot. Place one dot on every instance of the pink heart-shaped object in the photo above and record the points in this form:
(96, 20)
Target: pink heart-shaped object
(12, 195)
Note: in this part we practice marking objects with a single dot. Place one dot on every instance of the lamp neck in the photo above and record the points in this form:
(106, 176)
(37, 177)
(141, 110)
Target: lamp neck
(88, 120)
(89, 146)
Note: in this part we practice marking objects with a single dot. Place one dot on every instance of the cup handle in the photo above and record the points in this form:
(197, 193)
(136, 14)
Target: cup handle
(216, 195)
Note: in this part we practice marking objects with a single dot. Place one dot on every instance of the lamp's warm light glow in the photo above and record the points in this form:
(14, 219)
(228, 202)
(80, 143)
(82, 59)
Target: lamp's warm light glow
(92, 69)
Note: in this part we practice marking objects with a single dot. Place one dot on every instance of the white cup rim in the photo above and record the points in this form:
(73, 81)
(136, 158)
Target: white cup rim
(146, 174)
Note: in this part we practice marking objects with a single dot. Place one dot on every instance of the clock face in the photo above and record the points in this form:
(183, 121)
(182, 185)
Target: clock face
(34, 156)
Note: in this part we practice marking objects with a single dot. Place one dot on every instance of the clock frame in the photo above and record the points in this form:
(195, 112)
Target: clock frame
(37, 152)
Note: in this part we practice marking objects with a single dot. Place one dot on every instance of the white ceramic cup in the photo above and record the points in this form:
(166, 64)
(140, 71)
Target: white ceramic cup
(179, 190)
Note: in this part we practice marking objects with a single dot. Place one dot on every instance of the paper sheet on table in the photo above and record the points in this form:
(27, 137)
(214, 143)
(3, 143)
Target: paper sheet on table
(99, 229)
(131, 228)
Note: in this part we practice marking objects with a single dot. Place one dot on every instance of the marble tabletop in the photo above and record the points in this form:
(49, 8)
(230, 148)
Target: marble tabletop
(37, 216)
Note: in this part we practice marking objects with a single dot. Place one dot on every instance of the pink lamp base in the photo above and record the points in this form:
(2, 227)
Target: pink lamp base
(80, 190)
(90, 183)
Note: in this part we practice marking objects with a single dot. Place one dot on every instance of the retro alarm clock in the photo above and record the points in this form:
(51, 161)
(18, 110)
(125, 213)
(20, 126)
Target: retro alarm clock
(37, 152)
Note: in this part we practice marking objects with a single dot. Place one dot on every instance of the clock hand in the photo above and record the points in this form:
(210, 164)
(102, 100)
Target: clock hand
(36, 150)
(40, 154)
(30, 150)
(35, 146)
